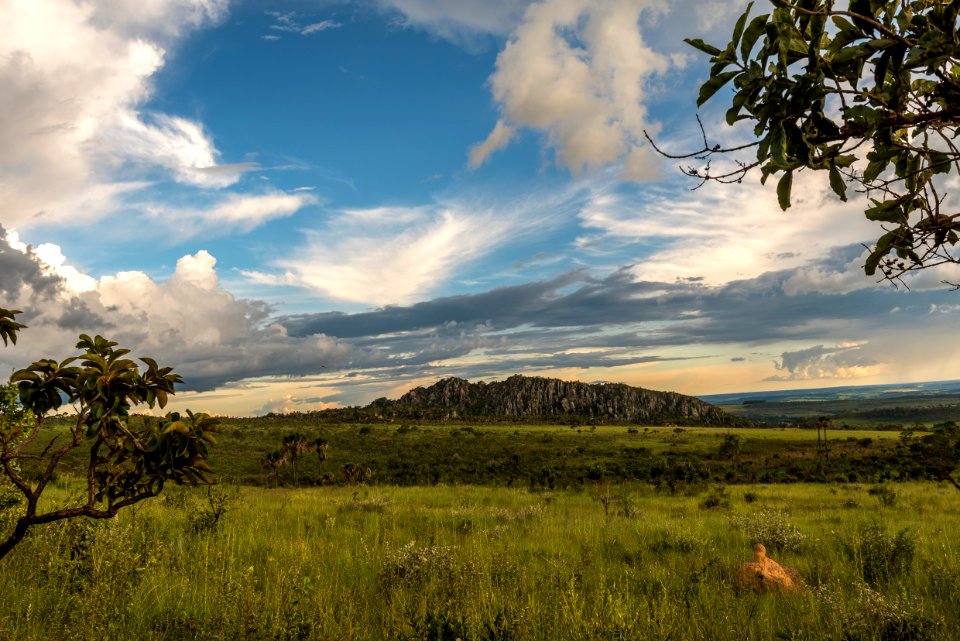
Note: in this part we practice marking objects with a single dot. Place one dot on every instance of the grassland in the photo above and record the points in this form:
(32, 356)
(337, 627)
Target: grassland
(445, 562)
(554, 456)
(505, 532)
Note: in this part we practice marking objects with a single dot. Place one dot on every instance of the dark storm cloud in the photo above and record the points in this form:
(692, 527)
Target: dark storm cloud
(20, 270)
(80, 318)
(615, 311)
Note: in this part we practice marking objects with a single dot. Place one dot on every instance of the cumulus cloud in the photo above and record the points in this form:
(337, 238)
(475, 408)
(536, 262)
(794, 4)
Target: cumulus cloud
(187, 320)
(499, 138)
(576, 70)
(21, 271)
(839, 361)
(74, 136)
(576, 324)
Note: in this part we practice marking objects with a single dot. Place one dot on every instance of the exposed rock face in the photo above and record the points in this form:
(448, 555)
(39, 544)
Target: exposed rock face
(522, 397)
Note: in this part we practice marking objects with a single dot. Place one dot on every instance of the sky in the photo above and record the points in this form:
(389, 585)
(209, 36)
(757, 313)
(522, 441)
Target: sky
(306, 204)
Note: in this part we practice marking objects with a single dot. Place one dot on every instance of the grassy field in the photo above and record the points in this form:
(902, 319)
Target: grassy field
(861, 413)
(445, 562)
(549, 456)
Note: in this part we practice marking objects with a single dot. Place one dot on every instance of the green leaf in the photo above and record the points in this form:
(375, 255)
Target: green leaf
(778, 145)
(713, 85)
(733, 113)
(697, 43)
(886, 212)
(873, 261)
(851, 53)
(741, 22)
(836, 183)
(783, 190)
(874, 169)
(751, 35)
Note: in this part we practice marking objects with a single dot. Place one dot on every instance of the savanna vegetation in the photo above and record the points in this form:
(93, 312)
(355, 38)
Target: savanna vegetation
(257, 451)
(389, 530)
(610, 561)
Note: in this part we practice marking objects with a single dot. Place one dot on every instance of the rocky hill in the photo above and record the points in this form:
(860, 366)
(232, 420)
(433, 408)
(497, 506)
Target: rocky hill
(525, 398)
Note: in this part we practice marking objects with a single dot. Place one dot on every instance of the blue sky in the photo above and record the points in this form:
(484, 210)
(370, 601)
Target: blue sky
(310, 203)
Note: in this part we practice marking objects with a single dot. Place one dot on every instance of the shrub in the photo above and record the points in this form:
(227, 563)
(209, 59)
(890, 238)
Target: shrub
(886, 494)
(771, 528)
(874, 617)
(207, 518)
(414, 563)
(717, 497)
(442, 625)
(879, 556)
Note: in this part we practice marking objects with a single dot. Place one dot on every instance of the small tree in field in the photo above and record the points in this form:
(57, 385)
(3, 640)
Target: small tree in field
(294, 445)
(126, 464)
(274, 461)
(322, 448)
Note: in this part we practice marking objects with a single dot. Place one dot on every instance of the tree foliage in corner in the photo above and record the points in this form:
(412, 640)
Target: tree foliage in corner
(867, 91)
(126, 464)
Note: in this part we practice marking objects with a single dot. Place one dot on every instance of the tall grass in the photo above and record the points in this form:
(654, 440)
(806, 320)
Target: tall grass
(491, 563)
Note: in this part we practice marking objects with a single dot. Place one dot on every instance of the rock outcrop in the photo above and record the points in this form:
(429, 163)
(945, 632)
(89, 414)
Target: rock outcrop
(526, 398)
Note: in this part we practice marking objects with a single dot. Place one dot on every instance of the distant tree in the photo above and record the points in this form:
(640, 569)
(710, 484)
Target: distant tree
(731, 446)
(322, 448)
(355, 474)
(294, 446)
(126, 464)
(936, 455)
(274, 461)
(867, 91)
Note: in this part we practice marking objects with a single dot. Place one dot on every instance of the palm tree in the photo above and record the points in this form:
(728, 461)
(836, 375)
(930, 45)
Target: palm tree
(322, 448)
(275, 460)
(294, 445)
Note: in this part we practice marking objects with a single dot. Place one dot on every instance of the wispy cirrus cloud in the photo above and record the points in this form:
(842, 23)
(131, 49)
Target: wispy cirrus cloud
(399, 255)
(290, 22)
(722, 233)
(387, 255)
(232, 213)
(460, 21)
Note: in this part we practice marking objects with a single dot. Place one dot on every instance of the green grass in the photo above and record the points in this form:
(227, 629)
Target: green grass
(489, 563)
(544, 456)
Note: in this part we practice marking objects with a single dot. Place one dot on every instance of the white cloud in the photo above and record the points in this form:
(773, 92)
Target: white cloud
(159, 19)
(730, 232)
(187, 320)
(317, 27)
(289, 22)
(459, 20)
(73, 134)
(499, 138)
(841, 361)
(944, 309)
(576, 71)
(851, 277)
(232, 213)
(389, 255)
(178, 145)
